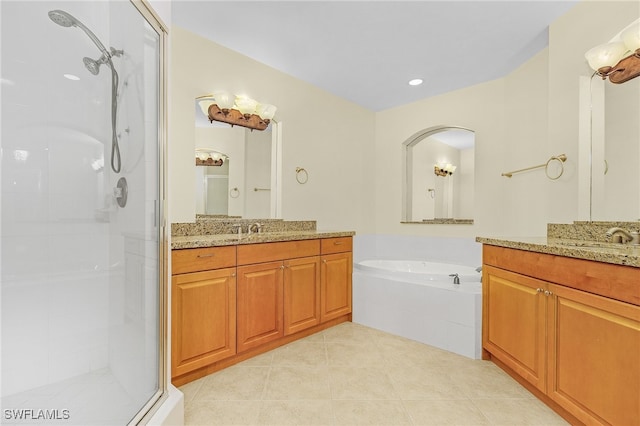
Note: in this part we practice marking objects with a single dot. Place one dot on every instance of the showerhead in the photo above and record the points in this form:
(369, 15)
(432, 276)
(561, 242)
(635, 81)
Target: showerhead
(92, 65)
(62, 18)
(65, 19)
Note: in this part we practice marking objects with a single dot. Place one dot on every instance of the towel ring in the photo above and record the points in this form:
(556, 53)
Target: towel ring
(301, 175)
(559, 159)
(234, 192)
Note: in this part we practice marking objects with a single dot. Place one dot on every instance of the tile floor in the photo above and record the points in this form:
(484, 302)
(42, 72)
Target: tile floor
(354, 375)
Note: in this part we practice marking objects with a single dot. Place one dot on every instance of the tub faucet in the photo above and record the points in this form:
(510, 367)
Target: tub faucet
(456, 278)
(626, 236)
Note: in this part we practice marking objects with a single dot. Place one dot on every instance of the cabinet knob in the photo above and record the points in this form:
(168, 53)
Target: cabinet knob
(281, 266)
(233, 274)
(205, 255)
(324, 261)
(547, 293)
(539, 290)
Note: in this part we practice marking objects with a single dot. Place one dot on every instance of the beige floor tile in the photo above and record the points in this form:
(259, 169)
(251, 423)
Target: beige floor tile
(424, 384)
(293, 382)
(354, 354)
(262, 360)
(370, 413)
(445, 412)
(518, 412)
(301, 353)
(234, 383)
(348, 332)
(201, 413)
(296, 413)
(360, 383)
(191, 389)
(486, 380)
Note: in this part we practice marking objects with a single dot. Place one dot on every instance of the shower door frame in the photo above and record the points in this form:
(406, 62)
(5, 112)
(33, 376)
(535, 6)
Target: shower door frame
(148, 410)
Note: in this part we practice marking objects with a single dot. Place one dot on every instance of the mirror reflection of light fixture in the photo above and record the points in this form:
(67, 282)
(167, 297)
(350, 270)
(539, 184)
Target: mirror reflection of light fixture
(444, 170)
(236, 110)
(206, 157)
(618, 60)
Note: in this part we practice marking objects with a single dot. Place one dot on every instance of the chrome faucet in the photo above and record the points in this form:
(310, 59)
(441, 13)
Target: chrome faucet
(456, 278)
(624, 236)
(239, 228)
(256, 227)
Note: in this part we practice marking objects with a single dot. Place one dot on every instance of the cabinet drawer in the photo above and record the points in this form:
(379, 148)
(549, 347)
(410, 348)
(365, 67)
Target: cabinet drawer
(202, 259)
(270, 252)
(336, 245)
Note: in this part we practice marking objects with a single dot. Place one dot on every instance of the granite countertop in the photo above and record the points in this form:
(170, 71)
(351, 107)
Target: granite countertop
(216, 240)
(619, 254)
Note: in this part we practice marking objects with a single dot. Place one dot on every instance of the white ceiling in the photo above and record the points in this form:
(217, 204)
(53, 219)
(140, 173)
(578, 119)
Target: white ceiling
(367, 51)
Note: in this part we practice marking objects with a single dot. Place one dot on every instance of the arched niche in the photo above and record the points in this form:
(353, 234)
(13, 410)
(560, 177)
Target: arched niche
(438, 176)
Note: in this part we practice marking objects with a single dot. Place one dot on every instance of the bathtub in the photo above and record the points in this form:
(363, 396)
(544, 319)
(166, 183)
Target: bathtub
(418, 300)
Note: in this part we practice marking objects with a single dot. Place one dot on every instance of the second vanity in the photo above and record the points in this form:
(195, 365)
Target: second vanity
(237, 296)
(562, 316)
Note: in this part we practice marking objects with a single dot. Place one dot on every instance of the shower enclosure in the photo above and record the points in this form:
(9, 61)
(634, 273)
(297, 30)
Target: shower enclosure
(82, 223)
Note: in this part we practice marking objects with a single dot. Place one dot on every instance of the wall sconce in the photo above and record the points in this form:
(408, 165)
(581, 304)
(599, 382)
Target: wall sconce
(444, 170)
(236, 110)
(619, 60)
(209, 158)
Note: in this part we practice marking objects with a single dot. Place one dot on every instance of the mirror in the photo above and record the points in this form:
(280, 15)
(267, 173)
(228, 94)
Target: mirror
(438, 176)
(246, 184)
(615, 150)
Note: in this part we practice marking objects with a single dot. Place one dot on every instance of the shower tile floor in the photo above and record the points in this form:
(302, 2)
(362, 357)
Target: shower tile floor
(355, 375)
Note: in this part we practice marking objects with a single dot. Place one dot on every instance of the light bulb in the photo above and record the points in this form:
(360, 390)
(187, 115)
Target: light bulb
(246, 106)
(631, 37)
(605, 55)
(224, 100)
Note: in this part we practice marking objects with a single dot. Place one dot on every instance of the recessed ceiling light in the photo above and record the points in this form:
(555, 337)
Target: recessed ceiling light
(415, 82)
(72, 77)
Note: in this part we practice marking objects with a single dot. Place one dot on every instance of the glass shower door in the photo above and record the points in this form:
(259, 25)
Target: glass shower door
(81, 222)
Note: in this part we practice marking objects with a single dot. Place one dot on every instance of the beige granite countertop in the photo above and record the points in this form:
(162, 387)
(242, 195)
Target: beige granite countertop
(215, 240)
(581, 249)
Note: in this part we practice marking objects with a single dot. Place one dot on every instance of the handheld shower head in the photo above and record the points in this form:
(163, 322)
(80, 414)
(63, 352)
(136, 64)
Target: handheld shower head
(62, 18)
(67, 20)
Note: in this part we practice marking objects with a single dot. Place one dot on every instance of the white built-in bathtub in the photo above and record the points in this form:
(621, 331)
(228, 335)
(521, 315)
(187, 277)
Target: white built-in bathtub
(418, 300)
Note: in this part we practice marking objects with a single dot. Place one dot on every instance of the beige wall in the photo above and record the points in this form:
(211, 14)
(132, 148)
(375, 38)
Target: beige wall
(353, 155)
(321, 132)
(520, 121)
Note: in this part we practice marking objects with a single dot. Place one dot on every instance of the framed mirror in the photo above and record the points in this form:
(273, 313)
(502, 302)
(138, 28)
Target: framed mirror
(246, 183)
(438, 176)
(614, 150)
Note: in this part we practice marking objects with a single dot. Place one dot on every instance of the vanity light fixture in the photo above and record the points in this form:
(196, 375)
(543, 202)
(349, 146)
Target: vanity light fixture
(236, 110)
(618, 60)
(209, 158)
(444, 170)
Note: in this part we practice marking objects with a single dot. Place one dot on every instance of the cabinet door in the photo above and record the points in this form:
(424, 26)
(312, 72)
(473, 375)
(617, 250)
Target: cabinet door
(203, 328)
(513, 326)
(335, 291)
(594, 357)
(259, 304)
(301, 294)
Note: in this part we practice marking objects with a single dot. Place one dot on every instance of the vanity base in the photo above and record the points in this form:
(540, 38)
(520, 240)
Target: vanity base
(228, 362)
(539, 395)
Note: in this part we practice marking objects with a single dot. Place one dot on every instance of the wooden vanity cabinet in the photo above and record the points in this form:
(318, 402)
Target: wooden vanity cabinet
(203, 309)
(514, 325)
(279, 296)
(335, 287)
(581, 350)
(259, 304)
(301, 294)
